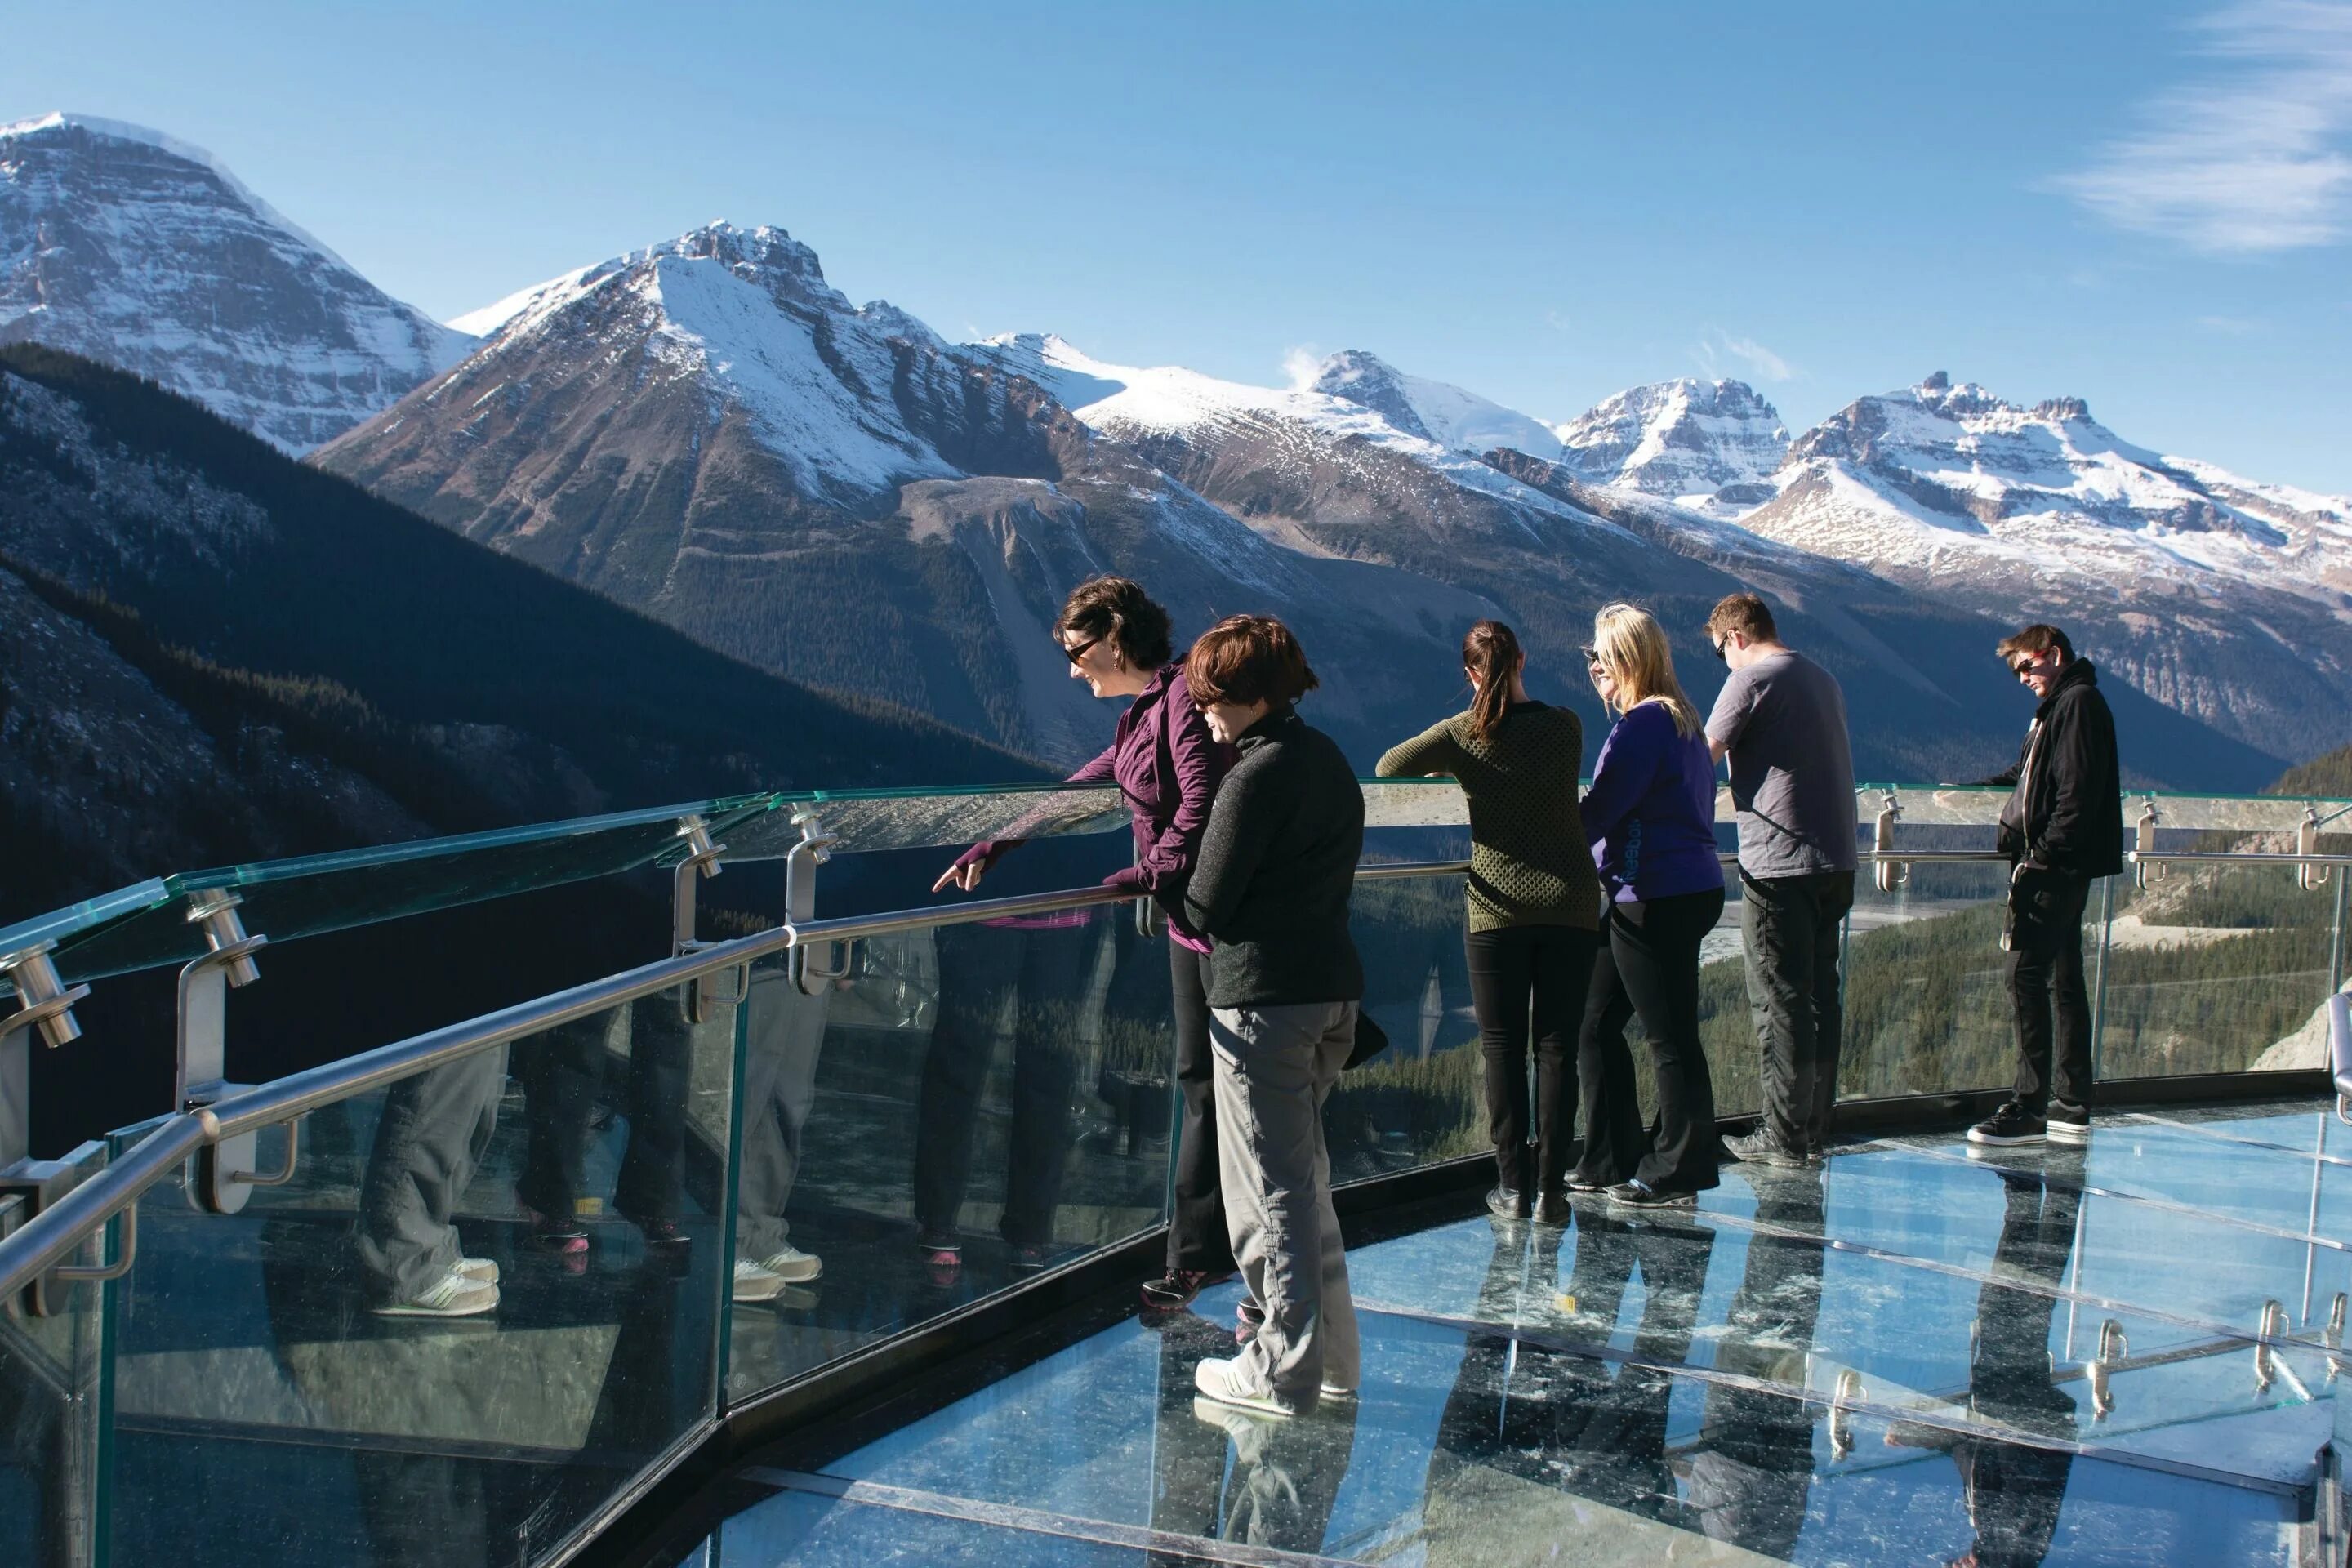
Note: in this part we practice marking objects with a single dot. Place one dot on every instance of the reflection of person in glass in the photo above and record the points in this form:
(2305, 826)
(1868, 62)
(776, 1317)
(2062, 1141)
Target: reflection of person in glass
(1531, 1407)
(429, 1142)
(563, 1071)
(1750, 1479)
(1167, 764)
(1033, 966)
(2014, 1489)
(1535, 907)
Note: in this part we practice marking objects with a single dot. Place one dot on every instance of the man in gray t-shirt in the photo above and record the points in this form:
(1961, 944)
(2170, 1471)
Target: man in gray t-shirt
(1781, 718)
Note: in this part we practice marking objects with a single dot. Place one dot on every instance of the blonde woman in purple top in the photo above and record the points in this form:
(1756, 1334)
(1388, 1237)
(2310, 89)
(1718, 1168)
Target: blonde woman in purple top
(1168, 765)
(1650, 818)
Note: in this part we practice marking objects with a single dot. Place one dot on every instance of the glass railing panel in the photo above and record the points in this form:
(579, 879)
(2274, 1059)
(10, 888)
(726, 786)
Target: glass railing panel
(1423, 1099)
(866, 821)
(486, 1300)
(2216, 968)
(963, 1107)
(314, 894)
(52, 1405)
(76, 920)
(1926, 1003)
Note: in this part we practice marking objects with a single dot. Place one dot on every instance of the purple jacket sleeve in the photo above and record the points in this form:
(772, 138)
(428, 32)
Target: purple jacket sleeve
(1622, 773)
(1200, 763)
(988, 851)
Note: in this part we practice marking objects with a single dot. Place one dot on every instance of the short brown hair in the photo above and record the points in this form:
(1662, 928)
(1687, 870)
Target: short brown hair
(1248, 659)
(1118, 608)
(2037, 639)
(1743, 613)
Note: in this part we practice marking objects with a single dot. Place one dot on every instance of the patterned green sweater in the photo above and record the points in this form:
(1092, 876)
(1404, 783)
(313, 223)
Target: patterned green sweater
(1528, 862)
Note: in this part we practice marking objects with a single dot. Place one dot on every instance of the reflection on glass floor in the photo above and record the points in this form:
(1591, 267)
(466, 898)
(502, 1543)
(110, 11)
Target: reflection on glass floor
(1910, 1355)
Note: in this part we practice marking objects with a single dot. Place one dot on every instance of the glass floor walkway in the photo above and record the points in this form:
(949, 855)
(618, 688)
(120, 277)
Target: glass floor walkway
(1916, 1354)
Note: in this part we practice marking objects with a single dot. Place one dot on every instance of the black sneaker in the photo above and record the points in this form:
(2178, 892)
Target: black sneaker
(1551, 1207)
(2068, 1124)
(1761, 1148)
(2012, 1124)
(1637, 1194)
(1173, 1291)
(1506, 1203)
(1578, 1181)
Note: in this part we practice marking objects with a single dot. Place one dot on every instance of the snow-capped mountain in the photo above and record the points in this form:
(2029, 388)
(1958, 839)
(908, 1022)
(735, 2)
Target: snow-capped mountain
(1435, 411)
(708, 430)
(123, 244)
(1713, 444)
(2191, 579)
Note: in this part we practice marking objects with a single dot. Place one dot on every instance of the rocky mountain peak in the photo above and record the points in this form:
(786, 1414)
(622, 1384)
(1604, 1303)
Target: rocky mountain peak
(1680, 437)
(1373, 382)
(125, 244)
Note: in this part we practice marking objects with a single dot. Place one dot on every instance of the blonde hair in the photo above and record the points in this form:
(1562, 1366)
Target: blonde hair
(1632, 646)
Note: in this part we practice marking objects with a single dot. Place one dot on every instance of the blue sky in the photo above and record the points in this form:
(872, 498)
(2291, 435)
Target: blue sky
(2145, 205)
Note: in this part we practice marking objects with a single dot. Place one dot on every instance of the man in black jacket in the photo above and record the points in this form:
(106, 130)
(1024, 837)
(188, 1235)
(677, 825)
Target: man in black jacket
(1270, 889)
(2062, 829)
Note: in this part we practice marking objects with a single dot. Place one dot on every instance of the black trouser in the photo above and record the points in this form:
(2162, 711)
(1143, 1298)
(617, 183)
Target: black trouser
(1788, 929)
(2045, 978)
(977, 965)
(1649, 966)
(1529, 984)
(1197, 1238)
(562, 1072)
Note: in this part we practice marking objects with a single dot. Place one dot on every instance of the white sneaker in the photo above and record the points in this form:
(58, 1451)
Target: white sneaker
(753, 1283)
(481, 1270)
(792, 1265)
(1215, 1377)
(451, 1295)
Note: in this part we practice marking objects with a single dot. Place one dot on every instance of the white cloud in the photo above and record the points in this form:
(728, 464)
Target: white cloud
(2256, 156)
(1762, 363)
(1301, 363)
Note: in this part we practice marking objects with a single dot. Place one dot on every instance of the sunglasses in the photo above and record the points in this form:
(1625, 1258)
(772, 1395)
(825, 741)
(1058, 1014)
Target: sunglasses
(1591, 658)
(1716, 643)
(1079, 652)
(2026, 666)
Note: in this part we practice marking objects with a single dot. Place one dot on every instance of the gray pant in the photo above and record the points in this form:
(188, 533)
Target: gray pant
(1788, 929)
(782, 1034)
(1275, 1069)
(429, 1142)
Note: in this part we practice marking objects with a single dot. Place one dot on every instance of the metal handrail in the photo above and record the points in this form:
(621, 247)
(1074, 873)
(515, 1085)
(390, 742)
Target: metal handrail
(52, 1234)
(2215, 856)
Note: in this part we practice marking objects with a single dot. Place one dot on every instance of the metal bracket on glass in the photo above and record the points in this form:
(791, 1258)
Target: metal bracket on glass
(45, 1003)
(1840, 1422)
(810, 972)
(226, 1171)
(701, 860)
(38, 1184)
(1148, 919)
(2098, 1371)
(1887, 874)
(2145, 865)
(2274, 1325)
(2308, 876)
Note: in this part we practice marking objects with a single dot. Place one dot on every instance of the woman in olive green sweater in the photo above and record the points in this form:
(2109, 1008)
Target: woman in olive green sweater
(1535, 908)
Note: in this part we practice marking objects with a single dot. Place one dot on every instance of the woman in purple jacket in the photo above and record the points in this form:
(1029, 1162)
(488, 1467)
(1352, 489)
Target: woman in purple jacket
(1650, 818)
(1165, 762)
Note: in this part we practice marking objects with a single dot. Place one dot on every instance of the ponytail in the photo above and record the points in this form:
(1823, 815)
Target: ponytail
(1491, 652)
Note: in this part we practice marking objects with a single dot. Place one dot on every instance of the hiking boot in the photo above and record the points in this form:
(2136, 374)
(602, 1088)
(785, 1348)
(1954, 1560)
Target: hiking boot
(1174, 1290)
(791, 1264)
(1552, 1208)
(2012, 1124)
(2068, 1124)
(1761, 1148)
(451, 1295)
(1508, 1203)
